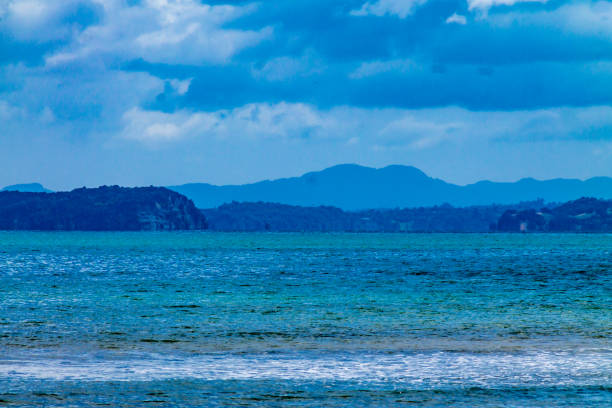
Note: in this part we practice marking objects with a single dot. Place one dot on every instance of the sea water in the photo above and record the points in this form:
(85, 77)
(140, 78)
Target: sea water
(213, 319)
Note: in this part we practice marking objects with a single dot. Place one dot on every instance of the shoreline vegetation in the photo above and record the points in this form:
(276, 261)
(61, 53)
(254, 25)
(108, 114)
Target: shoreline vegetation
(114, 208)
(582, 215)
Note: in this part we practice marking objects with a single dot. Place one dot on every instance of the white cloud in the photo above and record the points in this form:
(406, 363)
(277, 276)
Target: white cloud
(32, 11)
(399, 8)
(181, 86)
(588, 19)
(485, 5)
(376, 128)
(163, 31)
(11, 115)
(80, 106)
(413, 131)
(37, 20)
(9, 112)
(252, 121)
(372, 68)
(456, 19)
(154, 127)
(283, 68)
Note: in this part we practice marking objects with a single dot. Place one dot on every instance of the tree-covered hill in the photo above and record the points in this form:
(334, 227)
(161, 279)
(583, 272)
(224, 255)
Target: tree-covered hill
(100, 209)
(582, 215)
(260, 216)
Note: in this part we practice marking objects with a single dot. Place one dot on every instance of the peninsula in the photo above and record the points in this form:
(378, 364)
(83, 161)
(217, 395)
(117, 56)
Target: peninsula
(100, 209)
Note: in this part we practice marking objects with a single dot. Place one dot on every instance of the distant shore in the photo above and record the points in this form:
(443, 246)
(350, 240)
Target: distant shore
(159, 209)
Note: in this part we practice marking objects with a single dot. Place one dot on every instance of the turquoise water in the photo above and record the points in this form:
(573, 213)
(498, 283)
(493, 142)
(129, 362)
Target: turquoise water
(211, 319)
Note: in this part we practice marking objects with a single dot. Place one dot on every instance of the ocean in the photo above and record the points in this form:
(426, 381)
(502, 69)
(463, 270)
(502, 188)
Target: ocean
(305, 320)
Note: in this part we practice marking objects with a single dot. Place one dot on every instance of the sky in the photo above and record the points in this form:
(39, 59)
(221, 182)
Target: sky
(165, 92)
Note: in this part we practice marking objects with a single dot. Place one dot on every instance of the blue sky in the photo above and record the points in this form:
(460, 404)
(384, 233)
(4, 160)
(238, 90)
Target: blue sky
(140, 92)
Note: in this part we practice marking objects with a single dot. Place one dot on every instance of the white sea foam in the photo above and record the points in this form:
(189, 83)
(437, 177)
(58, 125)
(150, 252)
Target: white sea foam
(419, 370)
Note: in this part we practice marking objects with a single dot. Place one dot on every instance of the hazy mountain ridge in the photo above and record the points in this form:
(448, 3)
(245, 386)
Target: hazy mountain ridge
(353, 187)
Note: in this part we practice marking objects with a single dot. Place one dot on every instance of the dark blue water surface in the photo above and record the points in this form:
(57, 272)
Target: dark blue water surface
(210, 319)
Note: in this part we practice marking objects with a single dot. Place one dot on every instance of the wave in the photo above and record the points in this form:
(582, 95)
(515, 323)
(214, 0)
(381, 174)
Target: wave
(418, 370)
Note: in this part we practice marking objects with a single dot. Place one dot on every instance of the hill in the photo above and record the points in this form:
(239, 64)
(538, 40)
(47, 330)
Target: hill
(353, 187)
(582, 215)
(27, 188)
(100, 209)
(285, 218)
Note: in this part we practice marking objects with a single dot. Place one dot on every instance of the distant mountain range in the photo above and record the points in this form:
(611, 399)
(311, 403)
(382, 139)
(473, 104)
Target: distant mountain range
(27, 188)
(353, 187)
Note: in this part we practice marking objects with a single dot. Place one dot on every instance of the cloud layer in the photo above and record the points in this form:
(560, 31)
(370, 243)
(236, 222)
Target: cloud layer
(293, 86)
